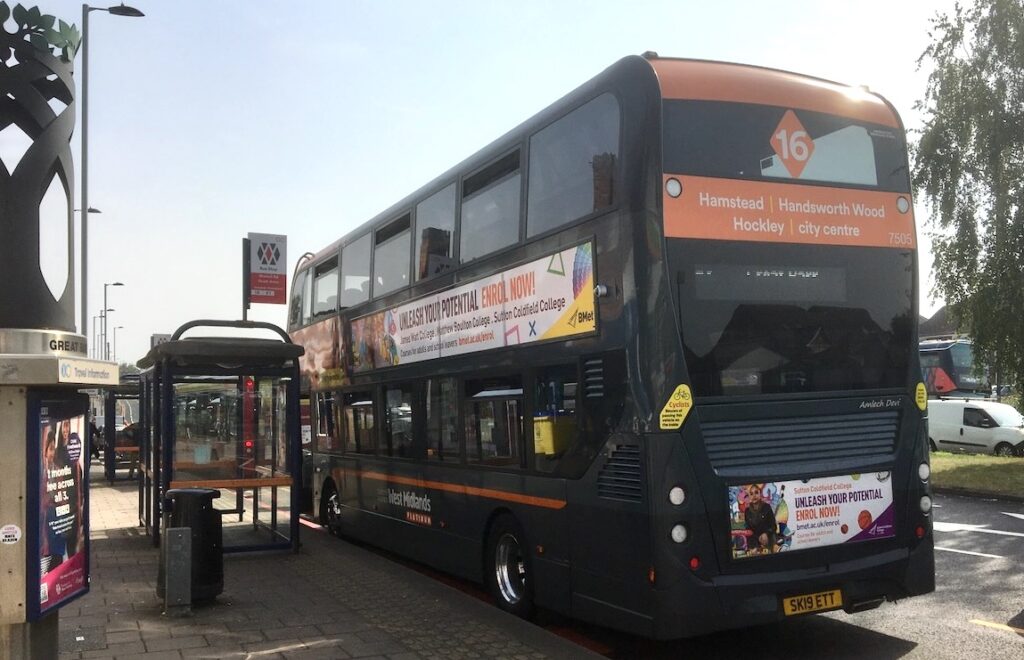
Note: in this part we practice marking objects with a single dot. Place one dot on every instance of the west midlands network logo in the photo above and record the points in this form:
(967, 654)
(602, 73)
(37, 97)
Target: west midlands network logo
(269, 254)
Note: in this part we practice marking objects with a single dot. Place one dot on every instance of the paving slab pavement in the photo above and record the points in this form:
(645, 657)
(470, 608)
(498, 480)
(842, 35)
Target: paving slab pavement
(332, 599)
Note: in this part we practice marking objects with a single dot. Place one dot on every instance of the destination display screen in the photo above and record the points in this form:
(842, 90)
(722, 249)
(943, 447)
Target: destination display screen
(762, 283)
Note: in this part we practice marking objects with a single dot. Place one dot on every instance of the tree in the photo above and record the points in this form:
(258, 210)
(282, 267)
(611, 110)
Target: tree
(969, 167)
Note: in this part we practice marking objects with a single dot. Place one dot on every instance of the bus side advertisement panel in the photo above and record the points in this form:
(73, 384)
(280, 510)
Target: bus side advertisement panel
(768, 518)
(547, 298)
(729, 209)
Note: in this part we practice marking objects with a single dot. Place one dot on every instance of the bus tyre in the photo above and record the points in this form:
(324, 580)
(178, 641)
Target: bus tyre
(330, 510)
(1003, 449)
(508, 567)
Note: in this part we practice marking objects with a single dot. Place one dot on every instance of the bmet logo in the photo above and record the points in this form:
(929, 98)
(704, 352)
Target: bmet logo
(65, 370)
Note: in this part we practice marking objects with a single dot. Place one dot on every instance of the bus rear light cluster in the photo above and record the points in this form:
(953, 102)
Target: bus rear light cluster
(694, 563)
(924, 471)
(926, 504)
(919, 531)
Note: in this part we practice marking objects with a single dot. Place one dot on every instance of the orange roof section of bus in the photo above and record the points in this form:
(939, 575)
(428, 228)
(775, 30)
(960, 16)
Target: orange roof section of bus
(721, 81)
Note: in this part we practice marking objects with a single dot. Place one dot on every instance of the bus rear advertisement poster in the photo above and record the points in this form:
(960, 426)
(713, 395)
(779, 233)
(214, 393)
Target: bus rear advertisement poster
(548, 298)
(795, 515)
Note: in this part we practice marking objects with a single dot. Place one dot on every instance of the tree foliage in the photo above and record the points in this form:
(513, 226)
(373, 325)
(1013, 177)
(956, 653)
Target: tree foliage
(969, 166)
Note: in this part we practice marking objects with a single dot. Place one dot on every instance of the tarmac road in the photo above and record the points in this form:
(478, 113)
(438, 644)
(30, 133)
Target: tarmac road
(976, 611)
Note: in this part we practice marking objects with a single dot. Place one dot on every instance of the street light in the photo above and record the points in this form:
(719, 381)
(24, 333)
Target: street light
(114, 351)
(95, 343)
(120, 10)
(104, 324)
(99, 337)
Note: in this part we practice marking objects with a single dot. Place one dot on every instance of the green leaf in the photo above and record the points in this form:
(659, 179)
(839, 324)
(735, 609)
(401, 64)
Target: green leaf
(55, 38)
(39, 41)
(20, 15)
(5, 12)
(46, 21)
(34, 15)
(64, 27)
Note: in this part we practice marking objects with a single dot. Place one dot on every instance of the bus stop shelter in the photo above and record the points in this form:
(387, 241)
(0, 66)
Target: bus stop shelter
(222, 413)
(121, 430)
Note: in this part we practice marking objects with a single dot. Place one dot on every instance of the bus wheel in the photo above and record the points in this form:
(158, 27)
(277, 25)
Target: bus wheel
(1003, 449)
(508, 567)
(330, 510)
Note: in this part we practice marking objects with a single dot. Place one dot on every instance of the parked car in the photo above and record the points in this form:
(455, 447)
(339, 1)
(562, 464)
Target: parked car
(976, 426)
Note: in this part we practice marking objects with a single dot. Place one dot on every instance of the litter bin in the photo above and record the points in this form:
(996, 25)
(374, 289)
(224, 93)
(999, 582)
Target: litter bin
(193, 508)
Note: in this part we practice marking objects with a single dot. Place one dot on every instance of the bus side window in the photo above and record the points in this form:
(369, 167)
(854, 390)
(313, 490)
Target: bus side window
(325, 287)
(555, 427)
(360, 432)
(295, 305)
(398, 402)
(327, 439)
(572, 166)
(441, 420)
(355, 272)
(490, 208)
(391, 256)
(435, 222)
(602, 398)
(494, 421)
(307, 298)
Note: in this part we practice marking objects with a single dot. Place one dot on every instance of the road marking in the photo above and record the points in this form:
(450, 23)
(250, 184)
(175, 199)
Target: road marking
(1014, 515)
(968, 552)
(998, 626)
(959, 527)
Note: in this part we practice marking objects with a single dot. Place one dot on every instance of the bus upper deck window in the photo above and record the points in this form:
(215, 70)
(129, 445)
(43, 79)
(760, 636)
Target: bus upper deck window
(490, 208)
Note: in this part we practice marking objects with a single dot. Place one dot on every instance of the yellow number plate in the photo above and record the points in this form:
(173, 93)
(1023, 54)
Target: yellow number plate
(819, 602)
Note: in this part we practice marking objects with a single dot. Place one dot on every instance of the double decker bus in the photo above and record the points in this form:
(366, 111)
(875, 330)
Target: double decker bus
(949, 369)
(648, 360)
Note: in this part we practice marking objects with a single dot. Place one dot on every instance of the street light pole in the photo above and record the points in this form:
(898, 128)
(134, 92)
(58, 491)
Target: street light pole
(121, 10)
(113, 355)
(95, 344)
(104, 353)
(100, 338)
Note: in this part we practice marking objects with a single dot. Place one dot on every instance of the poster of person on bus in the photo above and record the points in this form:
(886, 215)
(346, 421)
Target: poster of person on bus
(63, 538)
(771, 517)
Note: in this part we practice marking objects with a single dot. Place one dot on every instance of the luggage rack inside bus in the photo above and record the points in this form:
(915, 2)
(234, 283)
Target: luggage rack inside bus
(223, 413)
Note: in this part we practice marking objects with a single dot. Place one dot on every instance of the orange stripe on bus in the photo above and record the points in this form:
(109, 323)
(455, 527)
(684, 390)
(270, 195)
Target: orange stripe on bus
(543, 502)
(720, 81)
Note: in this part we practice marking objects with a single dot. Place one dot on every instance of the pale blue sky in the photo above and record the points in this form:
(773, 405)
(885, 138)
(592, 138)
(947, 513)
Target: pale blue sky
(209, 120)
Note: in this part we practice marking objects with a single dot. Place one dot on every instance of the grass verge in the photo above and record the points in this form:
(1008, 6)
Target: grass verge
(989, 475)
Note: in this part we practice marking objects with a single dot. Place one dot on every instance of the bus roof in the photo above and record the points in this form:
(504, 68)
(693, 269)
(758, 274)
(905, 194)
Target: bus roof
(678, 78)
(723, 81)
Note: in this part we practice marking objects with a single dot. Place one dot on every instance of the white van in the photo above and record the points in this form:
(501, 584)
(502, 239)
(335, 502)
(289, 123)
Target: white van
(975, 425)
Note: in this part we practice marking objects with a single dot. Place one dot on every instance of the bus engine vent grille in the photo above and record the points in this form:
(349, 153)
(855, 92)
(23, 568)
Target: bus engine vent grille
(738, 447)
(619, 478)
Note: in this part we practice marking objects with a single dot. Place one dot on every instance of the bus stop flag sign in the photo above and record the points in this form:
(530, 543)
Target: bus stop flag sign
(268, 260)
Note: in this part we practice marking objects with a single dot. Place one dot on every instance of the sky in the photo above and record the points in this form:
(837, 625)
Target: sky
(212, 119)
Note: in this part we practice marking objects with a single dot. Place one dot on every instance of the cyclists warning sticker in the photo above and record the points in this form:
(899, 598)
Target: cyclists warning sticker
(678, 407)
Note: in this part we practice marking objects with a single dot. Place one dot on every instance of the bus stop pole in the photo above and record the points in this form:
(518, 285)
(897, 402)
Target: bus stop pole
(246, 286)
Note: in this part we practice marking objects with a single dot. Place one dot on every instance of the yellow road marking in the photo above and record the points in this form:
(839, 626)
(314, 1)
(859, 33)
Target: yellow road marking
(998, 626)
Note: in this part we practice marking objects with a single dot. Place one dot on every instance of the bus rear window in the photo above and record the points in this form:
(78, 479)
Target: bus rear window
(769, 143)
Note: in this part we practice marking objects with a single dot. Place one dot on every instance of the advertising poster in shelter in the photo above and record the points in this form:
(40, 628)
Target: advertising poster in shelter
(548, 298)
(63, 537)
(781, 516)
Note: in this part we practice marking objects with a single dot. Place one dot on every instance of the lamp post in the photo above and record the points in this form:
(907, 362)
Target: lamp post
(95, 343)
(120, 10)
(100, 339)
(104, 353)
(113, 352)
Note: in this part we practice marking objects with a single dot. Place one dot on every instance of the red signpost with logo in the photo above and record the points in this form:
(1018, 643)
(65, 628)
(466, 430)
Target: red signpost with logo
(265, 271)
